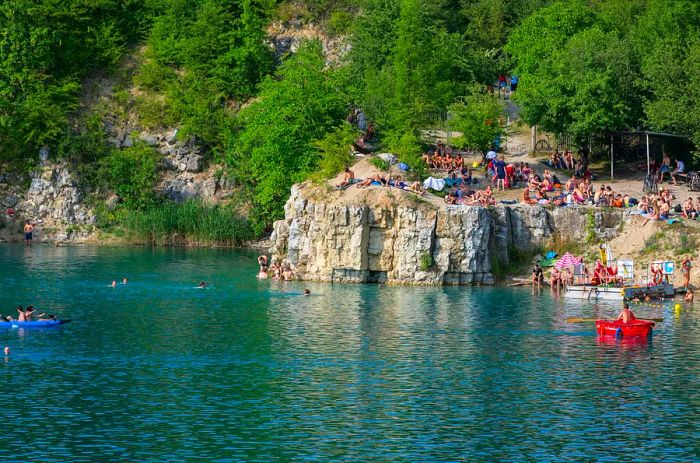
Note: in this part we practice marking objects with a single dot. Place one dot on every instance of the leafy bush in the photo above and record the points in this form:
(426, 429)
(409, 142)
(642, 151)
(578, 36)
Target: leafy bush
(407, 146)
(275, 147)
(477, 117)
(426, 261)
(335, 151)
(131, 173)
(379, 163)
(339, 23)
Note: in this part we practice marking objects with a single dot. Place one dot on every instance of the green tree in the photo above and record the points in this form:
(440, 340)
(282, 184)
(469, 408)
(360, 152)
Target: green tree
(275, 147)
(477, 116)
(131, 174)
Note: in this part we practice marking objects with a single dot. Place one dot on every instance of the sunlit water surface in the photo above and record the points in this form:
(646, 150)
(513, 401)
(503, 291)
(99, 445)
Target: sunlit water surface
(252, 371)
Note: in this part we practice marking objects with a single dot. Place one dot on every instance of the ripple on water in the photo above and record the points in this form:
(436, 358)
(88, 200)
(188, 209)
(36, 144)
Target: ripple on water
(250, 371)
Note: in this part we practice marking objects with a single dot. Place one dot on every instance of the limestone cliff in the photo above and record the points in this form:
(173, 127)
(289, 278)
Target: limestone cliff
(409, 240)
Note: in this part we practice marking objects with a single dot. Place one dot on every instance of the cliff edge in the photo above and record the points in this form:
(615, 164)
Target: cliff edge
(391, 236)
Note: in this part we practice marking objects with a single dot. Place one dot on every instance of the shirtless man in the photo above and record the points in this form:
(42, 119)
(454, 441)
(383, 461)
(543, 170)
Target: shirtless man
(28, 231)
(348, 178)
(626, 315)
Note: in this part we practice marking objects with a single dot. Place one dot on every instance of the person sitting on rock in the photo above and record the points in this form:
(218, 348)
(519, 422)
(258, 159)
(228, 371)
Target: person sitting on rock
(348, 178)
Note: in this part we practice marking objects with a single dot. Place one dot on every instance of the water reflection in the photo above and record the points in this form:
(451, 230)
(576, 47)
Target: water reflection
(252, 370)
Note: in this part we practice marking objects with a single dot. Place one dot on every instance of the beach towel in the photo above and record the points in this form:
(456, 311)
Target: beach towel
(403, 167)
(350, 183)
(550, 255)
(434, 183)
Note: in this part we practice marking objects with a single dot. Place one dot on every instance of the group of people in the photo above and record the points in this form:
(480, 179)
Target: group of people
(114, 283)
(464, 196)
(276, 270)
(27, 315)
(665, 168)
(442, 158)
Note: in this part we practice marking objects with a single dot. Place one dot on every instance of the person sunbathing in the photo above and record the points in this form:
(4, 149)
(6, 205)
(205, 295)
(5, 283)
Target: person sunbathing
(368, 181)
(348, 178)
(643, 205)
(618, 201)
(525, 198)
(416, 187)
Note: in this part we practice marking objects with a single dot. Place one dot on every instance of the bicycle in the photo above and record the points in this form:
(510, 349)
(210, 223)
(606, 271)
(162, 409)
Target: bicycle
(651, 184)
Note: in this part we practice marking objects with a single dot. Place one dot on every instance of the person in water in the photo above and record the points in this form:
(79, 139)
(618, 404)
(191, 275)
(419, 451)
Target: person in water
(307, 292)
(125, 281)
(203, 284)
(689, 296)
(114, 284)
(537, 276)
(626, 315)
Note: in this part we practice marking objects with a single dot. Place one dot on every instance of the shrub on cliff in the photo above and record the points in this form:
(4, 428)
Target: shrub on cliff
(274, 148)
(131, 174)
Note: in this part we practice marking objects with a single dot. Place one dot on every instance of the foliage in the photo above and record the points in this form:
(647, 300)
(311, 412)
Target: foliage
(426, 261)
(335, 150)
(46, 47)
(131, 174)
(477, 117)
(275, 147)
(379, 163)
(408, 147)
(191, 222)
(516, 260)
(84, 148)
(614, 64)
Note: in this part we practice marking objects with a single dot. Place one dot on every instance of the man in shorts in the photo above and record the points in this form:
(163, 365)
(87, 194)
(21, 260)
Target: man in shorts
(28, 232)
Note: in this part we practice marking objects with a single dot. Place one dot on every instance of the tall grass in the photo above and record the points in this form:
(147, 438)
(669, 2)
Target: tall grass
(188, 223)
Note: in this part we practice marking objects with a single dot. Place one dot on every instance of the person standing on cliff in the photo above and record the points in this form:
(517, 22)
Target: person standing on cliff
(28, 233)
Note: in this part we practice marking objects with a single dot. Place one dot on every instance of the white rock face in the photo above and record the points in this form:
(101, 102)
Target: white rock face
(418, 245)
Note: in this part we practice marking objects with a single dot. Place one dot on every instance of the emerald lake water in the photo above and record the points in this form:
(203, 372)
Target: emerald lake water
(252, 371)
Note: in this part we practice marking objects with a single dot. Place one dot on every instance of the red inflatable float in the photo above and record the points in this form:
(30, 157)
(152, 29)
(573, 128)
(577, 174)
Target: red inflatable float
(635, 328)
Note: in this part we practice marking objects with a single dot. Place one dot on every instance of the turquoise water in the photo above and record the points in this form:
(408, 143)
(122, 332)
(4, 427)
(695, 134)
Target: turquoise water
(249, 371)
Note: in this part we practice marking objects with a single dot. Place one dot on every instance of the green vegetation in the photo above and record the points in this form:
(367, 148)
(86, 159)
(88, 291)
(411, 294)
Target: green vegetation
(517, 259)
(275, 146)
(207, 68)
(379, 163)
(616, 64)
(654, 243)
(191, 223)
(426, 261)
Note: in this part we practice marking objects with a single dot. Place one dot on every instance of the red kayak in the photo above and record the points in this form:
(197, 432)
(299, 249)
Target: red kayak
(633, 329)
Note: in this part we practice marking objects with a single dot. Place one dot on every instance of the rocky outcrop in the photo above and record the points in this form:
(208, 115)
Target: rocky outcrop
(421, 243)
(55, 204)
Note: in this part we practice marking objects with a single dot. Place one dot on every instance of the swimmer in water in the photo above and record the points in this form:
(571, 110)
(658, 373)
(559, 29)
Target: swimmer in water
(114, 284)
(125, 281)
(202, 284)
(307, 292)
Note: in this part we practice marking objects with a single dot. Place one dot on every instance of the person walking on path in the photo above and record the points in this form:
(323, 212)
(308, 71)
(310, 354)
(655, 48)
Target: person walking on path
(686, 265)
(28, 233)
